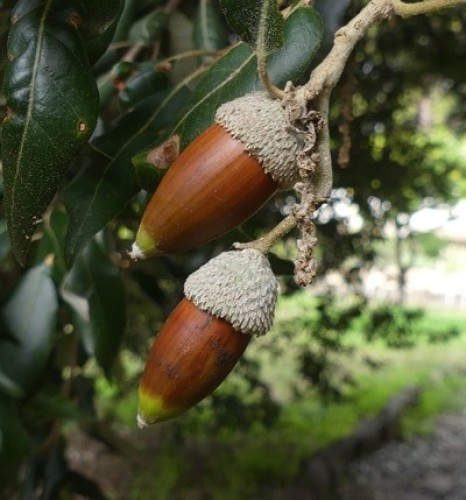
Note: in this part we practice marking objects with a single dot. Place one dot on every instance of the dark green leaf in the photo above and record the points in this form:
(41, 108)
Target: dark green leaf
(141, 86)
(98, 24)
(148, 175)
(257, 22)
(30, 316)
(150, 165)
(281, 267)
(333, 14)
(235, 73)
(150, 28)
(127, 17)
(23, 8)
(94, 291)
(208, 32)
(9, 387)
(108, 182)
(106, 88)
(52, 104)
(14, 442)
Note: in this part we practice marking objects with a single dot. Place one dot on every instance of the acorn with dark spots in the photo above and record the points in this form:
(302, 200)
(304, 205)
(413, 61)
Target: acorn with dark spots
(227, 301)
(222, 178)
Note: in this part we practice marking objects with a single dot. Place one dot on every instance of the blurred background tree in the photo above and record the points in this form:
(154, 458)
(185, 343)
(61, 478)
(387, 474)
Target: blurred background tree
(77, 319)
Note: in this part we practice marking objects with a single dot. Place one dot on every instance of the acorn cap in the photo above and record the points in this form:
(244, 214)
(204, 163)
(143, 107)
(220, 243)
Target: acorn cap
(260, 123)
(237, 286)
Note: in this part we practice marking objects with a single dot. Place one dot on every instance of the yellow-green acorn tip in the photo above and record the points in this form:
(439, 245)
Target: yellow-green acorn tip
(152, 409)
(143, 246)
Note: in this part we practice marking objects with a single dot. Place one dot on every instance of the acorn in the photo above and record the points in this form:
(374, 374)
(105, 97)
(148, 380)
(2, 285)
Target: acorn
(227, 301)
(222, 178)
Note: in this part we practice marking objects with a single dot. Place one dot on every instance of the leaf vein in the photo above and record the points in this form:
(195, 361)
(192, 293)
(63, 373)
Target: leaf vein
(30, 108)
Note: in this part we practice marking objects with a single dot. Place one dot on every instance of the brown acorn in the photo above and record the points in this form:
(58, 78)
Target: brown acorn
(228, 300)
(222, 178)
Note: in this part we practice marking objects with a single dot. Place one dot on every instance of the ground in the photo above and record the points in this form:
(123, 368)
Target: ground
(429, 467)
(426, 468)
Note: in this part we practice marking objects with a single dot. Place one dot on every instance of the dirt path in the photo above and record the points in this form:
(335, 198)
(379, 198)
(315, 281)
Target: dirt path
(426, 468)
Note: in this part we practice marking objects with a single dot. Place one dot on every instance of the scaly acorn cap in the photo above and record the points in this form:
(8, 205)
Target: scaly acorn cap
(237, 286)
(260, 123)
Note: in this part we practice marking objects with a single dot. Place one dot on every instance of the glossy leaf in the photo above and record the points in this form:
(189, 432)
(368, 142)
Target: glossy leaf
(235, 73)
(208, 30)
(333, 15)
(141, 86)
(108, 181)
(127, 18)
(94, 291)
(97, 24)
(150, 28)
(30, 316)
(257, 22)
(52, 105)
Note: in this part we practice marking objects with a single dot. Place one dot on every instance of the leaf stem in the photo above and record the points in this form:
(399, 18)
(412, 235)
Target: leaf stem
(273, 91)
(262, 53)
(266, 242)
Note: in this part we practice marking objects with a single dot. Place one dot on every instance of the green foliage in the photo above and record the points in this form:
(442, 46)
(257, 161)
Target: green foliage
(141, 84)
(208, 31)
(30, 318)
(402, 327)
(97, 23)
(52, 110)
(259, 23)
(430, 245)
(93, 200)
(445, 393)
(149, 28)
(162, 476)
(235, 74)
(65, 316)
(94, 291)
(78, 318)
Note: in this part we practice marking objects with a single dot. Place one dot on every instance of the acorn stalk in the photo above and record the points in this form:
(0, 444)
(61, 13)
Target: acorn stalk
(222, 178)
(227, 301)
